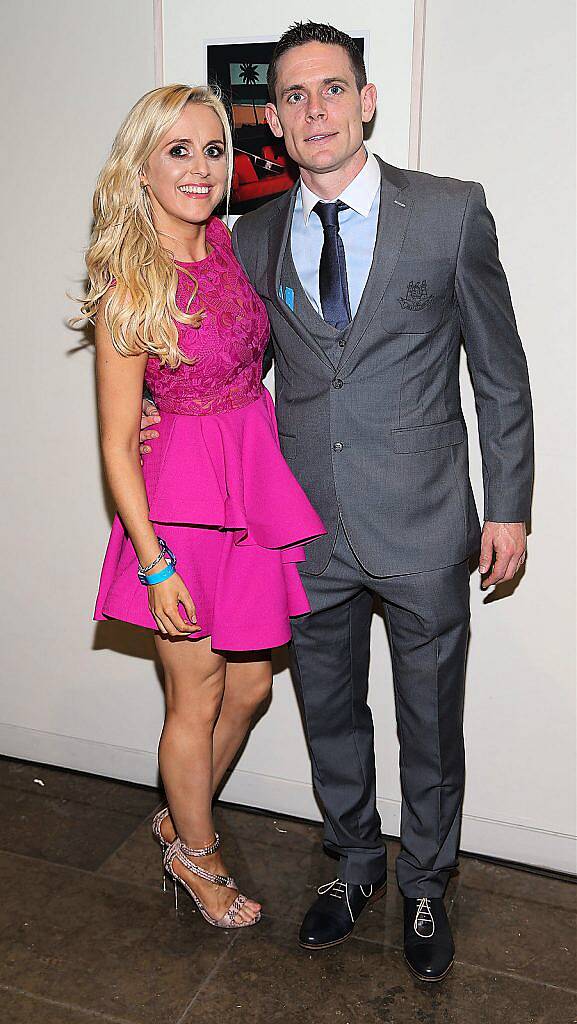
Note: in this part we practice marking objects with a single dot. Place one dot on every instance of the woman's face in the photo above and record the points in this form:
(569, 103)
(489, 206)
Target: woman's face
(186, 174)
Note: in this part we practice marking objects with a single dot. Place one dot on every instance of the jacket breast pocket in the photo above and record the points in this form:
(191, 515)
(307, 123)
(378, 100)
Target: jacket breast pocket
(417, 295)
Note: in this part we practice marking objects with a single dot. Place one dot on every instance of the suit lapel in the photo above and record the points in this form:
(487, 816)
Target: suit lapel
(395, 208)
(278, 238)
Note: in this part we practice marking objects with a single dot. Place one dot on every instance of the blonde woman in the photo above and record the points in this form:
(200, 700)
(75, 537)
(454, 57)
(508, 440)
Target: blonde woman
(204, 545)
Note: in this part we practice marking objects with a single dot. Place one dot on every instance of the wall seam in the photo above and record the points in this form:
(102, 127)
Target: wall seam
(158, 34)
(417, 66)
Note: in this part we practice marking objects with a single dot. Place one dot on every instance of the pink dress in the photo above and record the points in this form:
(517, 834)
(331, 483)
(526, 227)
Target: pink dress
(219, 490)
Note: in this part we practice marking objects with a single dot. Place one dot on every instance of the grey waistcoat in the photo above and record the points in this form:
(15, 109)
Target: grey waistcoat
(329, 337)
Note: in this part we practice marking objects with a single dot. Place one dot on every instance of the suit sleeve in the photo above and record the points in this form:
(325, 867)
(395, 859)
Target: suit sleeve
(497, 365)
(269, 352)
(236, 247)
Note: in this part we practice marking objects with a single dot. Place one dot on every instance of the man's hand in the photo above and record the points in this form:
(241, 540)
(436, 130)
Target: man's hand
(507, 544)
(149, 416)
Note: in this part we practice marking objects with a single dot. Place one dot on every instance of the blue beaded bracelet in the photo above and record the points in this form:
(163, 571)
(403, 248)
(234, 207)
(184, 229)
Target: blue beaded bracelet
(162, 574)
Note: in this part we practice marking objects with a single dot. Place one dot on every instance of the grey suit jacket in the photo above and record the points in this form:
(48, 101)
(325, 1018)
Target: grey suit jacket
(374, 429)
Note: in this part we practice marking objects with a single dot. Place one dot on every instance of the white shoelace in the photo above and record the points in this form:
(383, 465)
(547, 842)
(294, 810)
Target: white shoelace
(335, 888)
(339, 890)
(424, 916)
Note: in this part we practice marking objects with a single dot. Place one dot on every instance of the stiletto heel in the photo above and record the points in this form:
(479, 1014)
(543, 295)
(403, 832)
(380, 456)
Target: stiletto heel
(156, 823)
(177, 850)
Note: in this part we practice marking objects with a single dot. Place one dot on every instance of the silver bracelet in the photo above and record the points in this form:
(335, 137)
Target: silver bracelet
(147, 568)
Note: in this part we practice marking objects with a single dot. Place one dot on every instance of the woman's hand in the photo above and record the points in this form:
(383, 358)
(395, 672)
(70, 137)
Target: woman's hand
(149, 416)
(163, 601)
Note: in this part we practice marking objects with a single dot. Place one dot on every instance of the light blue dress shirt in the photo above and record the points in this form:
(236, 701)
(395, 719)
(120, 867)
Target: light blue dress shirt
(358, 230)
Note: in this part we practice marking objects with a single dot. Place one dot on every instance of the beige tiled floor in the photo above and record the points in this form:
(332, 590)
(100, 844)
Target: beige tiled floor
(87, 934)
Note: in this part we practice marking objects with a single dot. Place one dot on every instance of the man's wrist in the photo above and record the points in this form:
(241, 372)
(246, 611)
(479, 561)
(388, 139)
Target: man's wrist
(505, 522)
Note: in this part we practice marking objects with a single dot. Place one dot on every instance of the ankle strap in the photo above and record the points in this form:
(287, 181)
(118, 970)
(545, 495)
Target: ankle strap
(176, 849)
(205, 852)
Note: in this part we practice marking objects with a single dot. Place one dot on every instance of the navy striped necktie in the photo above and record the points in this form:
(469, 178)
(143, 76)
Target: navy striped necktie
(333, 284)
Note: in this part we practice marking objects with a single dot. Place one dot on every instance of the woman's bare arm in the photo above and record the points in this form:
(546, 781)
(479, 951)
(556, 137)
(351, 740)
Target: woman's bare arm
(119, 385)
(119, 382)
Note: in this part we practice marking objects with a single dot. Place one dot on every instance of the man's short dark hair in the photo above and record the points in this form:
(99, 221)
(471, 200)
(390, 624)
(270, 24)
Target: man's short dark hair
(315, 32)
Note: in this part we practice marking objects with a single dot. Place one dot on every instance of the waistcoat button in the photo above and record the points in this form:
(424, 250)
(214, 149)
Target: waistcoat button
(338, 383)
(338, 446)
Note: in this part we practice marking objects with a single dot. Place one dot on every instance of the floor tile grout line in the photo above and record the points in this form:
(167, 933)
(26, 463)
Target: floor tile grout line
(154, 887)
(213, 971)
(131, 836)
(67, 1006)
(518, 977)
(479, 967)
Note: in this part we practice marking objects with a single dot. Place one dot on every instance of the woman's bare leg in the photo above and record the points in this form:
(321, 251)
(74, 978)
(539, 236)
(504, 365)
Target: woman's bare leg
(194, 679)
(247, 686)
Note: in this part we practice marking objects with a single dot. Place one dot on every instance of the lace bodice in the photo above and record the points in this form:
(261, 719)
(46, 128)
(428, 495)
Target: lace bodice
(229, 344)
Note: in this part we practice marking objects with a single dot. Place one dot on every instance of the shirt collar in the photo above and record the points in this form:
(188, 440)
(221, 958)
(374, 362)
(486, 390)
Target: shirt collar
(358, 195)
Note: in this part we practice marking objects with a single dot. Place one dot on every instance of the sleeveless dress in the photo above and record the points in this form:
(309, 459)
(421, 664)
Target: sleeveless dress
(219, 490)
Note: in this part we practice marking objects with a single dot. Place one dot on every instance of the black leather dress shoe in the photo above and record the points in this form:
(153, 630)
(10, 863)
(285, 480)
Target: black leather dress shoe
(429, 947)
(333, 915)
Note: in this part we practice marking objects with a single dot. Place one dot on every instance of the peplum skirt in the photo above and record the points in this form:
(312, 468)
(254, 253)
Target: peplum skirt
(225, 501)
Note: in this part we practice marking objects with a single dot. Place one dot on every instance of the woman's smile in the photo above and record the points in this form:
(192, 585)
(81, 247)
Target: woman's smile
(195, 190)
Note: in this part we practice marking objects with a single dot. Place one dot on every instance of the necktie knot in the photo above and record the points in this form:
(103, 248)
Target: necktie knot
(328, 213)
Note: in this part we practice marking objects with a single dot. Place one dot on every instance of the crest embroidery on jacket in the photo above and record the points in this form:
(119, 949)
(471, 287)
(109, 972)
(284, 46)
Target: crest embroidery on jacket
(417, 296)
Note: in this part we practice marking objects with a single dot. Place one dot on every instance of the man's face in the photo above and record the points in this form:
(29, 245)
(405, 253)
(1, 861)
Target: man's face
(319, 110)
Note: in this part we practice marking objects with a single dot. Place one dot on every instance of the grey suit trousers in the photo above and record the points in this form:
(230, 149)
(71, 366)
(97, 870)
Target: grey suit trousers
(427, 615)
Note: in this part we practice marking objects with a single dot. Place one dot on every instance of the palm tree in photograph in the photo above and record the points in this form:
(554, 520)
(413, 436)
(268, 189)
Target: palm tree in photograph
(249, 74)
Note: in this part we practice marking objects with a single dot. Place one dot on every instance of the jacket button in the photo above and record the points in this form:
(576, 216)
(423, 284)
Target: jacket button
(338, 383)
(342, 343)
(338, 446)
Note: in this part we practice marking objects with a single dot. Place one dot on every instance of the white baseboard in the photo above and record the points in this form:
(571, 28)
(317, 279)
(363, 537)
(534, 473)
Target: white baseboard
(125, 763)
(507, 840)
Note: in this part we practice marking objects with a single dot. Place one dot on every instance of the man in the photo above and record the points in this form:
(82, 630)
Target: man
(372, 276)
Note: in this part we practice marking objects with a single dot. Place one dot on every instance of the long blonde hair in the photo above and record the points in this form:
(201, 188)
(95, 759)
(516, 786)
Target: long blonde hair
(141, 310)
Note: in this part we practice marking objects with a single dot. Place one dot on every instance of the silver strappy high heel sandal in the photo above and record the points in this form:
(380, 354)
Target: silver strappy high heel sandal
(156, 823)
(178, 850)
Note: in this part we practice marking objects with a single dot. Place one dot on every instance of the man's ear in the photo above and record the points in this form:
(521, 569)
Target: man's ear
(368, 102)
(272, 119)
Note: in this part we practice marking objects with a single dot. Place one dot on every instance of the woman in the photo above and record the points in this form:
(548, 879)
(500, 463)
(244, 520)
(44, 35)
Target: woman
(173, 309)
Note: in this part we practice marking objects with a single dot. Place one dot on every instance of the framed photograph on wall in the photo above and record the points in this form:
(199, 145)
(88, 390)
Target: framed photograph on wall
(262, 168)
